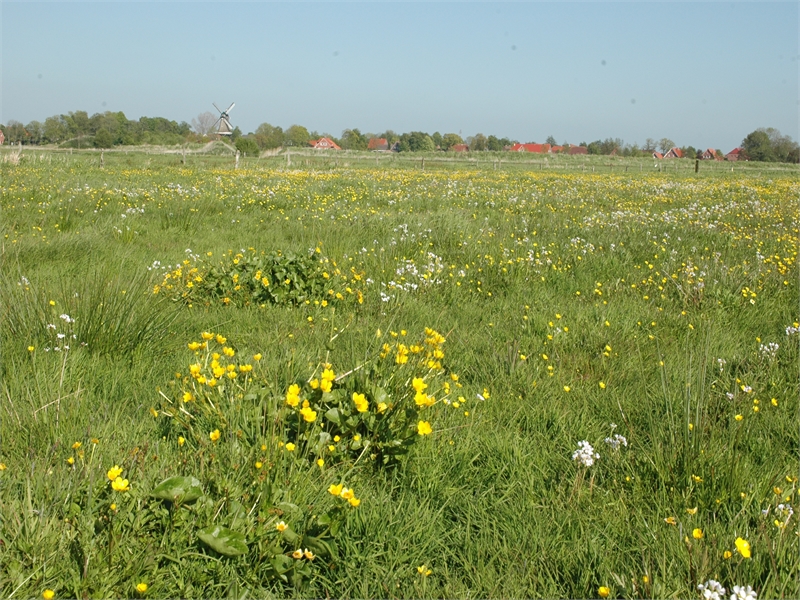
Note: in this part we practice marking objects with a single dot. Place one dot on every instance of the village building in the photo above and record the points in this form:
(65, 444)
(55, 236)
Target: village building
(734, 155)
(674, 153)
(709, 154)
(578, 150)
(378, 144)
(459, 148)
(324, 143)
(536, 148)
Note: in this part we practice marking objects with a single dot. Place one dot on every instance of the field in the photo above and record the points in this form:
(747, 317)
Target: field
(349, 379)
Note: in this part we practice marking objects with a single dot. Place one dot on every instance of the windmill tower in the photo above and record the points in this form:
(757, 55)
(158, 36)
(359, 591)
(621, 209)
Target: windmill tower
(223, 124)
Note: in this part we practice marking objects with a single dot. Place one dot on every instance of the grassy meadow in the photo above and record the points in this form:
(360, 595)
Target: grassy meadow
(370, 380)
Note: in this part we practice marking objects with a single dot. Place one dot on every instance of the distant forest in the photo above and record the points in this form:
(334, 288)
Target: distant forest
(106, 130)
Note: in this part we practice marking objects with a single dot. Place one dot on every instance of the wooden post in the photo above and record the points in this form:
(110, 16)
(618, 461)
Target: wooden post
(288, 159)
(183, 159)
(696, 165)
(102, 160)
(423, 163)
(236, 164)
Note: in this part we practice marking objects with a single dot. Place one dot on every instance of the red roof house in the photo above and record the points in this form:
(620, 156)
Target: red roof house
(709, 154)
(657, 155)
(674, 153)
(537, 148)
(459, 148)
(2, 137)
(578, 150)
(556, 149)
(735, 154)
(324, 143)
(378, 144)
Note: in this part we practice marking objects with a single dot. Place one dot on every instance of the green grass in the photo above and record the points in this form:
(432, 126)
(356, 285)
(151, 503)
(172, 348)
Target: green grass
(575, 306)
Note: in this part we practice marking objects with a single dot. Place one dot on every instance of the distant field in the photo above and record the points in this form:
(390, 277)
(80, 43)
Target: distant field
(359, 375)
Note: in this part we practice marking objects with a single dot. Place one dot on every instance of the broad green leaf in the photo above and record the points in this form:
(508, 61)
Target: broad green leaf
(379, 395)
(178, 489)
(333, 416)
(224, 541)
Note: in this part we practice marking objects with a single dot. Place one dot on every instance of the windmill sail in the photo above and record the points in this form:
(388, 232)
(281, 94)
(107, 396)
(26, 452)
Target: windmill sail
(223, 124)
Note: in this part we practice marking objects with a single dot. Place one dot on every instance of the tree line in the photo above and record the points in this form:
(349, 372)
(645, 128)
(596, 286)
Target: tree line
(105, 130)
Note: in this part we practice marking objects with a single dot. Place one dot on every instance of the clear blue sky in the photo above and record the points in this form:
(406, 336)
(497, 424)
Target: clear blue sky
(702, 74)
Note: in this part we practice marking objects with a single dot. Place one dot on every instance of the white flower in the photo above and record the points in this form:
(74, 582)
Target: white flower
(585, 454)
(741, 592)
(617, 441)
(711, 590)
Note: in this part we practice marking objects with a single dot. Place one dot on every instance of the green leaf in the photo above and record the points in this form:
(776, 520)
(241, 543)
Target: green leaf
(333, 416)
(178, 489)
(379, 395)
(222, 540)
(281, 563)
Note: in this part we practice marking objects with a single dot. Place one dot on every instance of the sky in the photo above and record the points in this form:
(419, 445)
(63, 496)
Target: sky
(700, 73)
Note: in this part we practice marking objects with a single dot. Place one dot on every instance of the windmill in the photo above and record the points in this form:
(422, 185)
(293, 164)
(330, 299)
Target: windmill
(223, 124)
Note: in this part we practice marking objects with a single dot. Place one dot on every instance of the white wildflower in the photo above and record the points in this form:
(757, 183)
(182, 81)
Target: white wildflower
(741, 592)
(711, 590)
(585, 454)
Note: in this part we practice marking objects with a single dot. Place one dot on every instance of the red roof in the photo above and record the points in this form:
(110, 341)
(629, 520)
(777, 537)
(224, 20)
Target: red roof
(674, 153)
(735, 151)
(556, 148)
(324, 143)
(538, 148)
(578, 150)
(459, 148)
(378, 144)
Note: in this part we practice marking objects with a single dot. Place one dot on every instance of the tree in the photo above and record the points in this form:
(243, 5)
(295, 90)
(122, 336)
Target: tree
(103, 138)
(203, 123)
(35, 132)
(55, 129)
(15, 132)
(449, 140)
(689, 152)
(268, 136)
(236, 134)
(478, 143)
(551, 140)
(666, 144)
(297, 136)
(353, 139)
(767, 144)
(649, 145)
(247, 146)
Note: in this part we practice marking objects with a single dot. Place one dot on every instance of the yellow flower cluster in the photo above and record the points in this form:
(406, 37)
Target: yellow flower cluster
(340, 491)
(213, 366)
(118, 484)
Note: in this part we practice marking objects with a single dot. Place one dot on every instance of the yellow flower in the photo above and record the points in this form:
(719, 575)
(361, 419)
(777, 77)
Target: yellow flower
(743, 546)
(221, 339)
(697, 533)
(290, 447)
(321, 462)
(141, 587)
(187, 397)
(602, 385)
(48, 594)
(193, 345)
(76, 445)
(335, 490)
(382, 406)
(309, 416)
(71, 461)
(697, 479)
(31, 348)
(214, 435)
(298, 554)
(308, 554)
(114, 472)
(418, 384)
(257, 357)
(692, 511)
(259, 464)
(424, 570)
(354, 502)
(727, 554)
(567, 388)
(153, 412)
(281, 526)
(326, 385)
(3, 466)
(603, 591)
(738, 417)
(120, 485)
(207, 336)
(181, 440)
(423, 428)
(347, 493)
(362, 405)
(670, 521)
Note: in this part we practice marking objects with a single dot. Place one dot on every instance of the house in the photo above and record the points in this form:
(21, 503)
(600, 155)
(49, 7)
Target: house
(657, 155)
(2, 137)
(709, 154)
(324, 143)
(674, 153)
(537, 148)
(578, 150)
(735, 154)
(556, 149)
(378, 144)
(459, 148)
